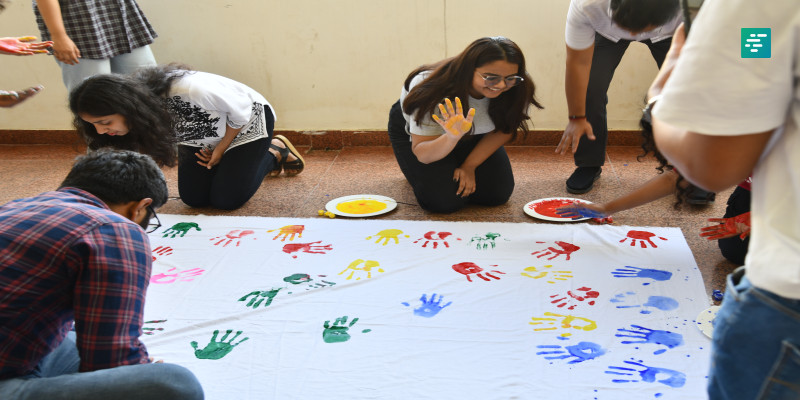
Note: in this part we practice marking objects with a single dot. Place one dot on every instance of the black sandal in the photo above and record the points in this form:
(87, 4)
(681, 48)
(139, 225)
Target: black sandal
(293, 167)
(284, 153)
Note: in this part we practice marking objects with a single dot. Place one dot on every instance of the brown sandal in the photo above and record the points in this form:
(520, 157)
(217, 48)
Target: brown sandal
(293, 167)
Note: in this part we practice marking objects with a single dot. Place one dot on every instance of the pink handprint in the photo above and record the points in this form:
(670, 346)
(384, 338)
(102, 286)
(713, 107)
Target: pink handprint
(468, 268)
(187, 275)
(288, 232)
(233, 236)
(641, 237)
(435, 238)
(573, 297)
(161, 251)
(566, 249)
(306, 248)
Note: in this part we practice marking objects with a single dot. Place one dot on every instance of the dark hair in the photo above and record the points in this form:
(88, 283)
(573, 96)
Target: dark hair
(453, 78)
(118, 177)
(139, 99)
(637, 15)
(682, 186)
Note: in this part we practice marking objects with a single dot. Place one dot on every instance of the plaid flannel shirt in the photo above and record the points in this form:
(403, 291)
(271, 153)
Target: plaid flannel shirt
(102, 29)
(64, 255)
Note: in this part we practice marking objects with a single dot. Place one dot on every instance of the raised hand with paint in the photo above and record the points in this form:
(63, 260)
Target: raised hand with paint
(23, 46)
(223, 129)
(727, 227)
(457, 157)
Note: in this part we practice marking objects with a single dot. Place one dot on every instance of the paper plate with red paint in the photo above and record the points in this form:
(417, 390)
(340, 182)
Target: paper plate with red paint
(546, 208)
(361, 205)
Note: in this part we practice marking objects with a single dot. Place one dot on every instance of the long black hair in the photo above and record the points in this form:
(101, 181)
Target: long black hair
(453, 77)
(139, 98)
(682, 186)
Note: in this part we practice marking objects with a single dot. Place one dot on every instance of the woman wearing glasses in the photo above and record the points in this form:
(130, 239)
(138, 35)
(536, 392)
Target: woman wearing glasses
(452, 159)
(223, 130)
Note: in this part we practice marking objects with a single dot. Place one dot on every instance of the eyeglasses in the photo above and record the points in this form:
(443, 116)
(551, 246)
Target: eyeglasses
(152, 227)
(494, 80)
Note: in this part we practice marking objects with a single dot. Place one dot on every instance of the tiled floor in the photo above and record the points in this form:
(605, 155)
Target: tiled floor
(31, 169)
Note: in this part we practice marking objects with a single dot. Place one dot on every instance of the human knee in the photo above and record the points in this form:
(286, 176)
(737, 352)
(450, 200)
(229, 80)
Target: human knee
(176, 382)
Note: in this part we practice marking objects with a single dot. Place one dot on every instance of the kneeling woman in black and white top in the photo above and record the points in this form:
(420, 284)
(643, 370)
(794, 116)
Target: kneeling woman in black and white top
(452, 159)
(223, 130)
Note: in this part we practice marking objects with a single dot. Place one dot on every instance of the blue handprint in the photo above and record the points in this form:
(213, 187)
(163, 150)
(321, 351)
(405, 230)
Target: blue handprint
(647, 335)
(581, 352)
(662, 303)
(673, 379)
(647, 273)
(429, 308)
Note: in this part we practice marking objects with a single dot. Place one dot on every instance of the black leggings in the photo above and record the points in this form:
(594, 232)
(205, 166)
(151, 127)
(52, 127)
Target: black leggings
(232, 182)
(735, 249)
(433, 183)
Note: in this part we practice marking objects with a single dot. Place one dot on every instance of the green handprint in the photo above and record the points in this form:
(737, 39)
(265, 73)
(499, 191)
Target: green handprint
(182, 228)
(339, 331)
(483, 242)
(266, 294)
(215, 350)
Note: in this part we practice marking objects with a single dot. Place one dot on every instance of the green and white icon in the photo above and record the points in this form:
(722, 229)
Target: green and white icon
(756, 43)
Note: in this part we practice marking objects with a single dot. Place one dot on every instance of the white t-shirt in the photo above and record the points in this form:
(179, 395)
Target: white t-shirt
(714, 91)
(481, 122)
(203, 104)
(585, 17)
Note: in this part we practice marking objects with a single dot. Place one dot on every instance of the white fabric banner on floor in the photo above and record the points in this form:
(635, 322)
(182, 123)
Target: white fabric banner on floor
(289, 308)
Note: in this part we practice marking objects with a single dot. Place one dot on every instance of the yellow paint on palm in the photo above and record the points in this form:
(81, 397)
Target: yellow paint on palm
(364, 206)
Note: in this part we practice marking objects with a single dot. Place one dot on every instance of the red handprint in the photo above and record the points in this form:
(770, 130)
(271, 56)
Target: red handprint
(161, 251)
(435, 238)
(642, 237)
(306, 248)
(574, 297)
(566, 250)
(234, 235)
(468, 268)
(288, 231)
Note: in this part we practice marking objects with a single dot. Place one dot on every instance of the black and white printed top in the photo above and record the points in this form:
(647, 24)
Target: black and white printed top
(202, 104)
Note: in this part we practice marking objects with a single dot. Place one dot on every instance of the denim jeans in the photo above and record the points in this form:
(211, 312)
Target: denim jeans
(57, 377)
(756, 345)
(126, 63)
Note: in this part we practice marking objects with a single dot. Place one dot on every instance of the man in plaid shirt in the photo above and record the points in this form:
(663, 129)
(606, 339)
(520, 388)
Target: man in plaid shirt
(80, 253)
(107, 36)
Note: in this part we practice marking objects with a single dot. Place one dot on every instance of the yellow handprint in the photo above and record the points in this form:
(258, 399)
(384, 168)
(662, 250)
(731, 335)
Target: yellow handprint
(566, 322)
(289, 231)
(368, 266)
(388, 234)
(556, 275)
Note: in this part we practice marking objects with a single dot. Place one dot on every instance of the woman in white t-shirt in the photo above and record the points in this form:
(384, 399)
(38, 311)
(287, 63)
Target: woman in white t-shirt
(454, 159)
(223, 130)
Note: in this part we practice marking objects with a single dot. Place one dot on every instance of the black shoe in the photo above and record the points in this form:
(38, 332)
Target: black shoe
(582, 180)
(700, 197)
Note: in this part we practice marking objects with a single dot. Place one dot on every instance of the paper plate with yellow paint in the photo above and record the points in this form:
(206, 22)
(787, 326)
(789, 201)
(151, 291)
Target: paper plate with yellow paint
(361, 205)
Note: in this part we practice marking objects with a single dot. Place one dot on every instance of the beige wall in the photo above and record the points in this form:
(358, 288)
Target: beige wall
(332, 64)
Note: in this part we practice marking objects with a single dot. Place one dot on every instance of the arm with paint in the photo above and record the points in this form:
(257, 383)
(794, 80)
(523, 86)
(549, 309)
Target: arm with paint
(429, 149)
(660, 186)
(23, 46)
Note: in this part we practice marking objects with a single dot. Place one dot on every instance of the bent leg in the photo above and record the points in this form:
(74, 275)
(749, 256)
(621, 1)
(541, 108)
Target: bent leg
(240, 173)
(605, 59)
(194, 180)
(129, 382)
(494, 180)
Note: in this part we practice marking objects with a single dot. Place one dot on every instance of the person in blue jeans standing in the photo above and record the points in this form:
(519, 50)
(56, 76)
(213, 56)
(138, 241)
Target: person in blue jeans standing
(79, 258)
(727, 110)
